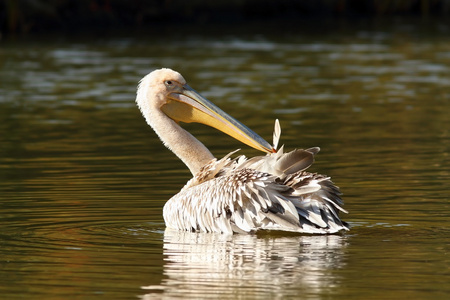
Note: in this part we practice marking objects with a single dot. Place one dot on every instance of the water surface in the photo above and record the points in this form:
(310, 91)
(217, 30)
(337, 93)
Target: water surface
(83, 179)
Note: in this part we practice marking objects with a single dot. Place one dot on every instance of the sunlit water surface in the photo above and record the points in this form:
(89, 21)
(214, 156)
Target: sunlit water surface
(83, 179)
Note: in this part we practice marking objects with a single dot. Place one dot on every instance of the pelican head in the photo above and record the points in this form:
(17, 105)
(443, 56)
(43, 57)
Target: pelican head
(166, 90)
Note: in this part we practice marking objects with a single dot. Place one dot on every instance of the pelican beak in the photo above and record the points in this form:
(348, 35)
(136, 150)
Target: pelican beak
(186, 105)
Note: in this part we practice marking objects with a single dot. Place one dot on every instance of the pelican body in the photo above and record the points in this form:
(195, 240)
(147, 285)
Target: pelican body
(240, 195)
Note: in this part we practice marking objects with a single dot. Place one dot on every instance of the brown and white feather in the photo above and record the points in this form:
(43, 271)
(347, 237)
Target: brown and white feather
(242, 195)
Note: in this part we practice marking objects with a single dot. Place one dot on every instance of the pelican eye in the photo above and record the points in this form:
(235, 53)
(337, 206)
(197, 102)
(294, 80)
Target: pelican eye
(168, 82)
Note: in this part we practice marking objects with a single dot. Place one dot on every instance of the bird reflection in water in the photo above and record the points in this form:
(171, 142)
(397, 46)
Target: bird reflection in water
(202, 265)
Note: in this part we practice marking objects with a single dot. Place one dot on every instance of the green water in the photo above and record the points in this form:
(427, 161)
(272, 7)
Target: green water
(83, 179)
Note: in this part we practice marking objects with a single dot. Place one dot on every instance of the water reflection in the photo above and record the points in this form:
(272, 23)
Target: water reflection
(206, 265)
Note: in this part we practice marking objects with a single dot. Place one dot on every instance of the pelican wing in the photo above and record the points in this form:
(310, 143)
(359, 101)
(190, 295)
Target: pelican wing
(242, 197)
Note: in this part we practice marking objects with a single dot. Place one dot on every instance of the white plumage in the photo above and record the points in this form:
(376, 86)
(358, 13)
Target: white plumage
(240, 195)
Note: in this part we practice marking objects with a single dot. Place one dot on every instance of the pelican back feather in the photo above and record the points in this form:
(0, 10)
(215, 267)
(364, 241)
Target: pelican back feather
(271, 192)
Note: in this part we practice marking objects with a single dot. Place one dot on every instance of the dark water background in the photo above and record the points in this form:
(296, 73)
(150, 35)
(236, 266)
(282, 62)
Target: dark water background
(83, 179)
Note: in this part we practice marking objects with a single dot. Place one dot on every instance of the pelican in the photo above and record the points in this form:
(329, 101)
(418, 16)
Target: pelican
(240, 195)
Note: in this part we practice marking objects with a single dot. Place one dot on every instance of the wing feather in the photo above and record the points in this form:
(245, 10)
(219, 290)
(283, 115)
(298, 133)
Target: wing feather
(276, 134)
(240, 195)
(295, 161)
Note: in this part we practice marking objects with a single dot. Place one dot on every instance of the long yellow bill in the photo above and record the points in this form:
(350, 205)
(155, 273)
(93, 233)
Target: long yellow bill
(186, 105)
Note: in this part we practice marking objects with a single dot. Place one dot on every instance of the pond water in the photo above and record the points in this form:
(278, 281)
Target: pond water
(83, 179)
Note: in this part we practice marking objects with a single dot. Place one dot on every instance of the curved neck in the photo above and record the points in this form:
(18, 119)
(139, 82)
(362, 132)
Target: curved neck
(190, 150)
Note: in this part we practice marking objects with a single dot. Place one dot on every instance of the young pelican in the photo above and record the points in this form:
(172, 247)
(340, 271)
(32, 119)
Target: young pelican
(271, 192)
